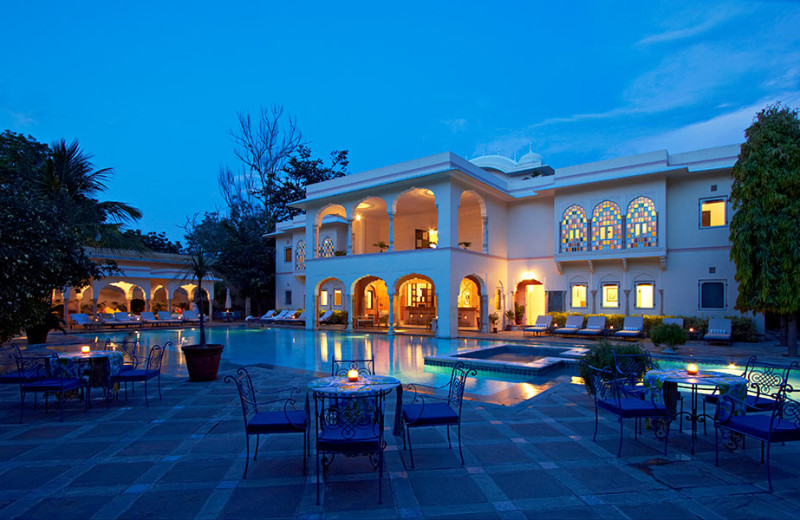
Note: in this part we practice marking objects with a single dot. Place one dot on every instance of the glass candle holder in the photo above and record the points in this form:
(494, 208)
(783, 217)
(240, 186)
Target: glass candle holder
(691, 369)
(85, 349)
(352, 375)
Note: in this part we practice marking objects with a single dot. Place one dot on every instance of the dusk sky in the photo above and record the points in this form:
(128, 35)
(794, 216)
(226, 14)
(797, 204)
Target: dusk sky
(152, 89)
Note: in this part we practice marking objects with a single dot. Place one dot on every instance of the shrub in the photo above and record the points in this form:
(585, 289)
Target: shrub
(670, 335)
(519, 313)
(743, 329)
(339, 317)
(599, 356)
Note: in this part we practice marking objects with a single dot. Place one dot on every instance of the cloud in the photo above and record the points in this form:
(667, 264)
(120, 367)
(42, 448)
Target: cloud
(698, 29)
(21, 119)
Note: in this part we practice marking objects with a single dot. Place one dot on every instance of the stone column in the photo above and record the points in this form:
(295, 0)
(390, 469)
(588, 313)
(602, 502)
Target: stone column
(350, 233)
(391, 313)
(391, 232)
(627, 300)
(484, 322)
(350, 315)
(485, 245)
(594, 300)
(94, 307)
(315, 244)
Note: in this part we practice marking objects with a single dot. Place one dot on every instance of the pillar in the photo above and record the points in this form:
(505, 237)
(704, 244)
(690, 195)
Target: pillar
(94, 307)
(484, 310)
(391, 313)
(148, 305)
(311, 304)
(350, 314)
(485, 235)
(315, 242)
(391, 232)
(447, 313)
(594, 294)
(350, 232)
(627, 300)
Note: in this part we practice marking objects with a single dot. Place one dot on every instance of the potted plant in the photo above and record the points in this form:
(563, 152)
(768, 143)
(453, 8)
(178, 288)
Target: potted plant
(493, 317)
(381, 245)
(669, 334)
(519, 313)
(510, 320)
(465, 244)
(38, 333)
(202, 360)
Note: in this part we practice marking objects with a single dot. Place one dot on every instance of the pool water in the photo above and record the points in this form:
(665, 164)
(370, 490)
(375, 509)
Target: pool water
(399, 356)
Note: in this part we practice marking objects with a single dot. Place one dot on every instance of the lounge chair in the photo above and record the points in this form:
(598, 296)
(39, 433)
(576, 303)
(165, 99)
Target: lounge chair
(166, 318)
(83, 320)
(326, 317)
(107, 319)
(571, 327)
(718, 330)
(148, 318)
(543, 324)
(300, 318)
(632, 327)
(125, 319)
(594, 326)
(278, 317)
(191, 317)
(253, 319)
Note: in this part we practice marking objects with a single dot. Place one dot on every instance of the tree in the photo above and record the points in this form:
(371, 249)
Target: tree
(156, 242)
(301, 171)
(765, 243)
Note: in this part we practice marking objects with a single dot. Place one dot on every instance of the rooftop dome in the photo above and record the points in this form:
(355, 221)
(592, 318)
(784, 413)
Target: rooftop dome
(530, 159)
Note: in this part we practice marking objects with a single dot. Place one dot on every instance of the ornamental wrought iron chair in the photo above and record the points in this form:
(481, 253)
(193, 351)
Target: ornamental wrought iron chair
(351, 425)
(634, 367)
(340, 367)
(616, 396)
(128, 350)
(782, 425)
(286, 420)
(432, 410)
(151, 370)
(764, 380)
(9, 367)
(48, 375)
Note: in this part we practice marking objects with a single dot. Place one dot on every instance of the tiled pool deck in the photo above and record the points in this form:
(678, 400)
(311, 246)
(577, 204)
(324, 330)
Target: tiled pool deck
(183, 458)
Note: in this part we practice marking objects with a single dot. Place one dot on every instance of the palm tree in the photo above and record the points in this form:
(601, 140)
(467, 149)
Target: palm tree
(69, 176)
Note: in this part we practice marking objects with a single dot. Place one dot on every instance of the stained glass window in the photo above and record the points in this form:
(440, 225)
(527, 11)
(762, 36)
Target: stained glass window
(574, 230)
(606, 226)
(326, 247)
(641, 223)
(300, 256)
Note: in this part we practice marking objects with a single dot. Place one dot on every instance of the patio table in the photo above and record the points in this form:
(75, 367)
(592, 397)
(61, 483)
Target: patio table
(340, 385)
(663, 387)
(102, 365)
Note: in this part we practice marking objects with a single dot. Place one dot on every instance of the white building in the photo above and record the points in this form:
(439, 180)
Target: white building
(645, 234)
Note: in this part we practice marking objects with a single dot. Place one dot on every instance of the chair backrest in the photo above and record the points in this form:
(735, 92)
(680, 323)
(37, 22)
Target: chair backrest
(604, 384)
(340, 367)
(128, 349)
(268, 315)
(719, 326)
(632, 366)
(149, 316)
(788, 410)
(190, 315)
(574, 322)
(633, 323)
(544, 320)
(326, 315)
(349, 418)
(458, 382)
(247, 393)
(673, 321)
(301, 316)
(596, 322)
(107, 316)
(8, 358)
(41, 367)
(155, 357)
(80, 318)
(766, 379)
(121, 316)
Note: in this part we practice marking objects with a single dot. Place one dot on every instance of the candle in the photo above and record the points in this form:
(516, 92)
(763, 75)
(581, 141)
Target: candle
(691, 329)
(85, 349)
(691, 369)
(352, 375)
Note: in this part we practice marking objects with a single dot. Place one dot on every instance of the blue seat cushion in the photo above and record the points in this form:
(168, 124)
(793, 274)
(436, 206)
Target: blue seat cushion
(277, 422)
(564, 330)
(628, 333)
(760, 403)
(356, 440)
(52, 385)
(717, 337)
(757, 425)
(135, 374)
(632, 407)
(535, 329)
(590, 332)
(429, 414)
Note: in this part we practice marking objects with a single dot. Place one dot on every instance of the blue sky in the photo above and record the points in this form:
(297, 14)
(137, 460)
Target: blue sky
(152, 89)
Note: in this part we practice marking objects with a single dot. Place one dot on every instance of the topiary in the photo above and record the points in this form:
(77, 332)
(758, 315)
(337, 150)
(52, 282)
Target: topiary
(600, 356)
(669, 334)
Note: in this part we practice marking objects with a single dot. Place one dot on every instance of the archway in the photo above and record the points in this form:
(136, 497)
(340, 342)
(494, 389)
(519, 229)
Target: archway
(370, 226)
(415, 302)
(112, 298)
(331, 230)
(529, 293)
(469, 303)
(415, 220)
(180, 300)
(370, 303)
(471, 212)
(159, 301)
(330, 296)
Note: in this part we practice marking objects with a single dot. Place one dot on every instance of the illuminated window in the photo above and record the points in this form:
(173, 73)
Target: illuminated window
(370, 299)
(712, 213)
(606, 226)
(300, 256)
(712, 295)
(287, 255)
(326, 247)
(610, 295)
(579, 295)
(323, 298)
(574, 227)
(641, 228)
(645, 295)
(337, 297)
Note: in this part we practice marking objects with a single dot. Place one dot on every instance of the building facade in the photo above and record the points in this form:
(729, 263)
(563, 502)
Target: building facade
(442, 242)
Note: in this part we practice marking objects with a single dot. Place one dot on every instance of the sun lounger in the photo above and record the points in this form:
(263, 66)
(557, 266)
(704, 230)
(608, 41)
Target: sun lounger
(148, 318)
(574, 323)
(326, 317)
(125, 319)
(594, 326)
(191, 317)
(543, 324)
(83, 320)
(632, 327)
(718, 330)
(253, 319)
(107, 319)
(278, 317)
(300, 319)
(164, 317)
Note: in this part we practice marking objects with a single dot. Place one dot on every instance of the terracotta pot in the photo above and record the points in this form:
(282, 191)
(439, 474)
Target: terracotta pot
(37, 335)
(202, 362)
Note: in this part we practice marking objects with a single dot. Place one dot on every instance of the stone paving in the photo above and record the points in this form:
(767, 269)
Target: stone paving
(183, 457)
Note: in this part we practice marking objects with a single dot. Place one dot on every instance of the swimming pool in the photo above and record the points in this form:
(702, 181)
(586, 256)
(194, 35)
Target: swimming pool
(399, 356)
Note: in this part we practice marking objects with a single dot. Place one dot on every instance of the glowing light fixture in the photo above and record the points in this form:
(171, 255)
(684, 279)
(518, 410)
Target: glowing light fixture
(691, 369)
(352, 375)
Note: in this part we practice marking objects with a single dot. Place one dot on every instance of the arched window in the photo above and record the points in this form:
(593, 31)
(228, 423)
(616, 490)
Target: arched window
(300, 256)
(574, 229)
(641, 227)
(326, 247)
(606, 226)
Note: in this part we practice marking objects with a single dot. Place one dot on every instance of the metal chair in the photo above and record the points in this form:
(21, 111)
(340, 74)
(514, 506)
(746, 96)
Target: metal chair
(287, 420)
(340, 367)
(432, 410)
(48, 375)
(764, 381)
(351, 425)
(782, 425)
(128, 349)
(152, 370)
(616, 395)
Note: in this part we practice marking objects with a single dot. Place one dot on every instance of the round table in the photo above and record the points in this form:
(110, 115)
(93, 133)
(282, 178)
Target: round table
(340, 385)
(663, 388)
(103, 365)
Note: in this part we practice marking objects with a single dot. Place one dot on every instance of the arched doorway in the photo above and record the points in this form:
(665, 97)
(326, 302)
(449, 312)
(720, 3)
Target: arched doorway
(469, 303)
(370, 226)
(415, 301)
(159, 301)
(330, 296)
(415, 220)
(471, 212)
(112, 299)
(180, 300)
(530, 294)
(370, 303)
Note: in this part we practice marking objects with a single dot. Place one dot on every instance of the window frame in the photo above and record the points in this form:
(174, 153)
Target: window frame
(603, 295)
(337, 297)
(636, 294)
(700, 284)
(585, 295)
(323, 298)
(288, 255)
(700, 202)
(287, 297)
